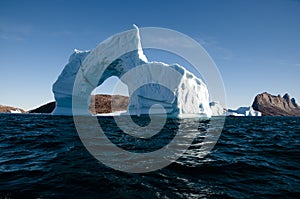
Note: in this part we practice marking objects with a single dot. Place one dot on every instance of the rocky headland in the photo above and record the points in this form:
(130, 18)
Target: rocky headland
(10, 109)
(271, 105)
(102, 103)
(46, 108)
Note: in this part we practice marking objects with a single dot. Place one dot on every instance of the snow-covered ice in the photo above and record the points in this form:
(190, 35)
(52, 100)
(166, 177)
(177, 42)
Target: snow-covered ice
(15, 111)
(217, 109)
(243, 111)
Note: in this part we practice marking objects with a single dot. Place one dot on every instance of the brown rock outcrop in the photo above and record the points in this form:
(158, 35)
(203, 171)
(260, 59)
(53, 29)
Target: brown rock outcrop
(8, 109)
(102, 103)
(271, 105)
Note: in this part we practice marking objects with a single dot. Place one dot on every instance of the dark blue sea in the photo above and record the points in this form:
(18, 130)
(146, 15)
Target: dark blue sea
(42, 156)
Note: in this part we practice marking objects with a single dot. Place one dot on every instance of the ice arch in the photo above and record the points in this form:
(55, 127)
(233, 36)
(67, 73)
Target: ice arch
(115, 57)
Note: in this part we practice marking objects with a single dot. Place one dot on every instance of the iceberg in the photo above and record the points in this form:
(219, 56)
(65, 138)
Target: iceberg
(154, 87)
(243, 111)
(219, 110)
(15, 111)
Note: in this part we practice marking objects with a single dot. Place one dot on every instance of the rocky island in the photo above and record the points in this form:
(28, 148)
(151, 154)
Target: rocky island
(46, 108)
(271, 105)
(10, 109)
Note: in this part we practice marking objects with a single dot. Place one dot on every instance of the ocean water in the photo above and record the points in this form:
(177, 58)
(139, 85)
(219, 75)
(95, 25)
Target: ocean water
(41, 156)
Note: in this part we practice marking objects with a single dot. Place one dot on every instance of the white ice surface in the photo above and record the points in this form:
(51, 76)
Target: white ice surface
(15, 111)
(217, 109)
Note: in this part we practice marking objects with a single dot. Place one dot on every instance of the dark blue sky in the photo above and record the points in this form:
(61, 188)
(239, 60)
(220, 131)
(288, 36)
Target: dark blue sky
(255, 44)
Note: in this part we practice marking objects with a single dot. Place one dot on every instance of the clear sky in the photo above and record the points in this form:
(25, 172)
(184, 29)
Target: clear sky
(255, 44)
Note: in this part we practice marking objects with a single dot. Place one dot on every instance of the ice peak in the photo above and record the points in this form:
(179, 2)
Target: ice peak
(135, 26)
(80, 51)
(76, 50)
(141, 54)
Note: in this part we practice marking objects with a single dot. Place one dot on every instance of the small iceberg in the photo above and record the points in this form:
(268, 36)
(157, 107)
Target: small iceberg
(243, 111)
(15, 111)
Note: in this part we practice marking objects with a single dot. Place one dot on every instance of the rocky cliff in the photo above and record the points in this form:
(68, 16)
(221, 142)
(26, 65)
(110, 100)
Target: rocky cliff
(9, 109)
(102, 103)
(271, 105)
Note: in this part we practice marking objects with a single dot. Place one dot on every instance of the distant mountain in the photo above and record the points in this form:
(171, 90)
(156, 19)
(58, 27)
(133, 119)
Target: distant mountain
(46, 108)
(10, 109)
(99, 104)
(271, 105)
